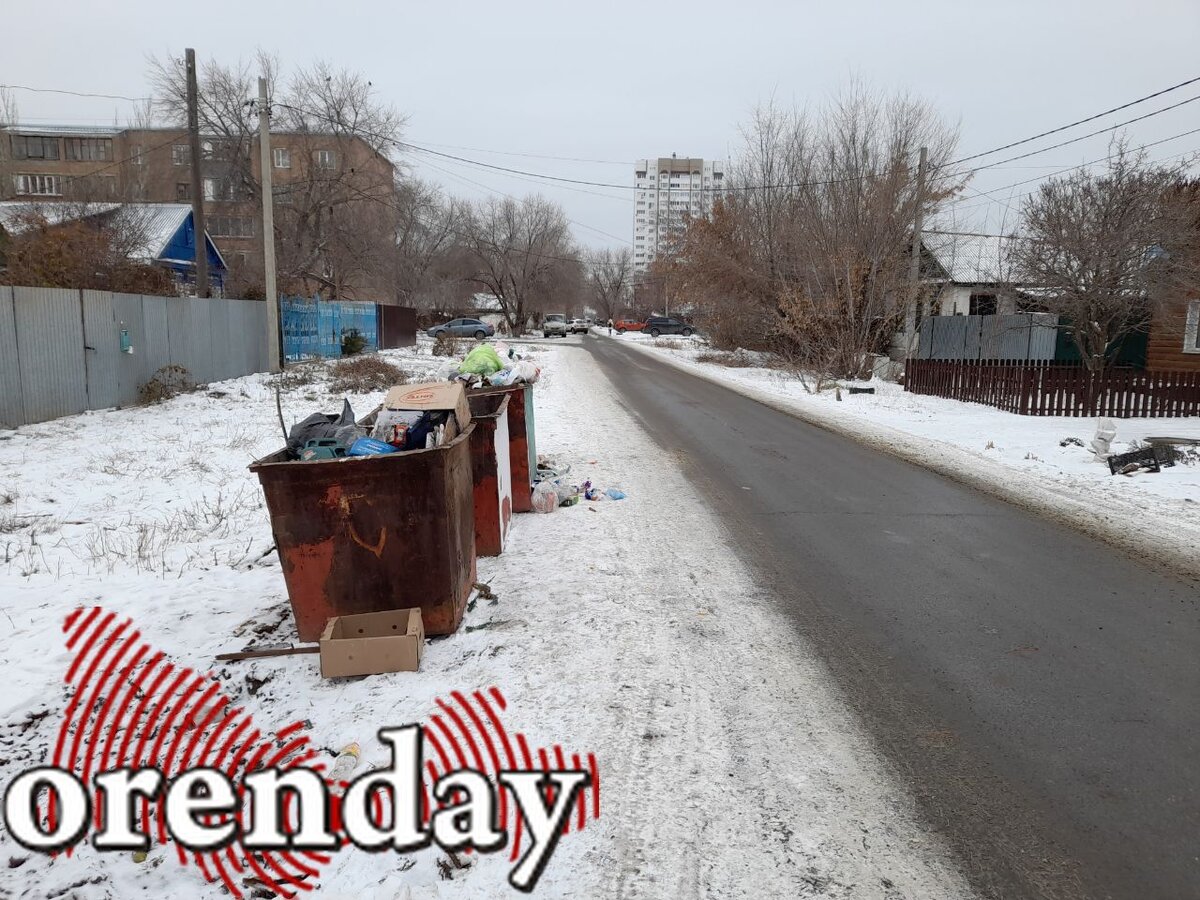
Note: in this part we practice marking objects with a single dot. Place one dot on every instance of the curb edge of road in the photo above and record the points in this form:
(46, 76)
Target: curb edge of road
(1163, 546)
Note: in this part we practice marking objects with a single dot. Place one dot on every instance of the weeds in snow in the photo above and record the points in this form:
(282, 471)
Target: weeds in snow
(365, 374)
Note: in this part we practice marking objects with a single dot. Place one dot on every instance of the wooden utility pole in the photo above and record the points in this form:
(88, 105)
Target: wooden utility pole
(914, 274)
(193, 113)
(268, 227)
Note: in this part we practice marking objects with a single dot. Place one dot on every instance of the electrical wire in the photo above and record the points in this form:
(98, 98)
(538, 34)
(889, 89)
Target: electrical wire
(25, 87)
(1099, 115)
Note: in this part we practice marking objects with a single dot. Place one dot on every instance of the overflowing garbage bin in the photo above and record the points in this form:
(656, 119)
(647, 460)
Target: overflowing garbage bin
(492, 471)
(371, 533)
(521, 440)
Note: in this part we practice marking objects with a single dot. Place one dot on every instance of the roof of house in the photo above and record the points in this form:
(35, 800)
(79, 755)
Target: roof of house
(59, 129)
(971, 258)
(156, 223)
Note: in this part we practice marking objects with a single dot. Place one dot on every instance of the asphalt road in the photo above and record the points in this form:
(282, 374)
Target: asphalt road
(1038, 690)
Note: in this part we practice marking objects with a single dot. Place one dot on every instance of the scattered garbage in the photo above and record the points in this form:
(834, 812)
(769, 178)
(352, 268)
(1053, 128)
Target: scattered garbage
(545, 497)
(1151, 458)
(1070, 442)
(1106, 431)
(343, 767)
(483, 360)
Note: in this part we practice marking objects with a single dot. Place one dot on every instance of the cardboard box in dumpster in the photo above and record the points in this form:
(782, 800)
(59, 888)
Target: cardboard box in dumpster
(373, 643)
(437, 395)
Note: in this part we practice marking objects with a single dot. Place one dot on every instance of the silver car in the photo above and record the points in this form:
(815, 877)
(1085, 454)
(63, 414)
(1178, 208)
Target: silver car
(554, 325)
(463, 328)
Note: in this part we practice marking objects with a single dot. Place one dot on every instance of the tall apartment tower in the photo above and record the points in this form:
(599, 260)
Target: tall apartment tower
(669, 190)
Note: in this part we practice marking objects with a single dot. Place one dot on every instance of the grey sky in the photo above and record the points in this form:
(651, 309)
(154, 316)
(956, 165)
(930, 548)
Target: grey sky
(618, 80)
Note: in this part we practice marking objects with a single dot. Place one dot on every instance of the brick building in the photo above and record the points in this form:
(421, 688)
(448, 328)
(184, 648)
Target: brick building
(322, 183)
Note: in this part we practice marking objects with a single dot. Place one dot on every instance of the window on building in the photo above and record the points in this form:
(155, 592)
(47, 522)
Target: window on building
(221, 151)
(983, 305)
(181, 155)
(89, 149)
(183, 191)
(218, 189)
(281, 158)
(1191, 331)
(28, 146)
(231, 226)
(38, 185)
(324, 159)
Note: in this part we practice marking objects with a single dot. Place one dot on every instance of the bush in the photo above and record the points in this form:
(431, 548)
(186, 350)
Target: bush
(169, 381)
(365, 374)
(446, 344)
(353, 342)
(738, 359)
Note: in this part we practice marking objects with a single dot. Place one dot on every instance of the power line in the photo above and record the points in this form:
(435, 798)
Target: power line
(25, 87)
(606, 162)
(1086, 136)
(1099, 115)
(501, 193)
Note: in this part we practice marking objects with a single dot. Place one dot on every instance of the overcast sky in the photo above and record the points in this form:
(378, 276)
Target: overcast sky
(616, 81)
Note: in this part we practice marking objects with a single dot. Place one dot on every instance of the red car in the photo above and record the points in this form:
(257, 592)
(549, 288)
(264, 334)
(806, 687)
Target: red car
(623, 325)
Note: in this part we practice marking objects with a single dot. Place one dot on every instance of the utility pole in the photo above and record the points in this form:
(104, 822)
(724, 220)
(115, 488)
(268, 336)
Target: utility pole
(193, 113)
(914, 274)
(268, 226)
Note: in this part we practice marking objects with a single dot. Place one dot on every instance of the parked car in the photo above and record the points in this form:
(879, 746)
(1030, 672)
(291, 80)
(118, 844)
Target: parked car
(463, 328)
(578, 326)
(554, 325)
(656, 325)
(624, 325)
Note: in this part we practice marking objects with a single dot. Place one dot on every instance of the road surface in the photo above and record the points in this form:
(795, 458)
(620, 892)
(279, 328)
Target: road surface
(1038, 691)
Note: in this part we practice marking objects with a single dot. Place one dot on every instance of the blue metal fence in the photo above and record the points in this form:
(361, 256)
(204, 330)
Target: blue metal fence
(314, 327)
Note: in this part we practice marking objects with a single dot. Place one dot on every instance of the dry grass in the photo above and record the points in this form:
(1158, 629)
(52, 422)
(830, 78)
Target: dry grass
(738, 359)
(364, 374)
(299, 374)
(668, 344)
(169, 381)
(447, 344)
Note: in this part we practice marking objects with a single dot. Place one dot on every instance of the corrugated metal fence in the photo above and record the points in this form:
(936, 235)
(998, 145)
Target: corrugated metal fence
(313, 327)
(1024, 336)
(60, 350)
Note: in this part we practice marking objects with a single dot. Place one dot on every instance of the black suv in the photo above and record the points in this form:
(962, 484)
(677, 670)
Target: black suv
(656, 325)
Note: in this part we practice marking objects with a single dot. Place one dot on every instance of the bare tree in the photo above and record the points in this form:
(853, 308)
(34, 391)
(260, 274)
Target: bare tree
(522, 254)
(810, 245)
(334, 213)
(9, 115)
(429, 266)
(610, 274)
(1101, 250)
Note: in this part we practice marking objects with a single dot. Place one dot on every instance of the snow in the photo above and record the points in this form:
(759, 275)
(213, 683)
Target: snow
(1019, 457)
(730, 765)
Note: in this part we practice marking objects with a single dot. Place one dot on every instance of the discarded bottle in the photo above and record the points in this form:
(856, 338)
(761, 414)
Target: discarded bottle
(343, 766)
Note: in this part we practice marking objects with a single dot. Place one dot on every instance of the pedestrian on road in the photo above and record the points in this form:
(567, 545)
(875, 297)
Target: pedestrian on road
(610, 324)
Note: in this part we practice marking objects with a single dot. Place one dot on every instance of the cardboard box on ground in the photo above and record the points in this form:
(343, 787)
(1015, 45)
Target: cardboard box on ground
(373, 643)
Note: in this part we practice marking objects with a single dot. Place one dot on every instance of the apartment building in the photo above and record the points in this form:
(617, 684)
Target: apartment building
(153, 165)
(669, 191)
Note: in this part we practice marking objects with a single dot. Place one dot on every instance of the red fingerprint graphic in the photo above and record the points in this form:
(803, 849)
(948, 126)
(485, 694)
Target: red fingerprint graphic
(132, 707)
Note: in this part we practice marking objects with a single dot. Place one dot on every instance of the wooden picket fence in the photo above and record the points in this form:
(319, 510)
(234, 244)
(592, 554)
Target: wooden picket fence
(1056, 389)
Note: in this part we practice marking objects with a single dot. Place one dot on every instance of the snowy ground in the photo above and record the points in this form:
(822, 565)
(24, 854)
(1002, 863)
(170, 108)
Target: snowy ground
(730, 766)
(1019, 457)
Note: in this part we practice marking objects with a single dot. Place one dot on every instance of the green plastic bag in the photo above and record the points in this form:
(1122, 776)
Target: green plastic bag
(483, 360)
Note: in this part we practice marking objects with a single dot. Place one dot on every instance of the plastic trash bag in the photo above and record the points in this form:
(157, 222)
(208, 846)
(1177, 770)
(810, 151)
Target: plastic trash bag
(483, 360)
(545, 497)
(1106, 431)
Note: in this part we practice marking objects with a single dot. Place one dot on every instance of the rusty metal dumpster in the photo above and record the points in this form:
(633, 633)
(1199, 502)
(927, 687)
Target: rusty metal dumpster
(522, 440)
(370, 533)
(492, 471)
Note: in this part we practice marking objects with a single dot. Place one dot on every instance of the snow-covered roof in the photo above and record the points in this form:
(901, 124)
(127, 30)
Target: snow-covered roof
(971, 258)
(69, 130)
(154, 223)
